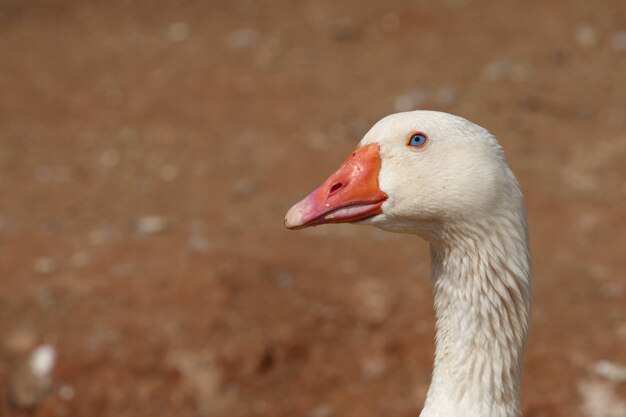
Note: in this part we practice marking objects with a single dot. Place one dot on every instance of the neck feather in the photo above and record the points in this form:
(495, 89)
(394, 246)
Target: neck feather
(481, 285)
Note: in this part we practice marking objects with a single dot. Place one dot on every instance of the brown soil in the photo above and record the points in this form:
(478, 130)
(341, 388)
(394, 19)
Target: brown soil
(216, 117)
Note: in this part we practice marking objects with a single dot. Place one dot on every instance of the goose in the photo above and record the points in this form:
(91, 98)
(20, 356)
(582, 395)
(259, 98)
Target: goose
(445, 179)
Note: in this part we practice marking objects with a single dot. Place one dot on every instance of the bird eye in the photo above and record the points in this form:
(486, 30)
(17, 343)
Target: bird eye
(417, 140)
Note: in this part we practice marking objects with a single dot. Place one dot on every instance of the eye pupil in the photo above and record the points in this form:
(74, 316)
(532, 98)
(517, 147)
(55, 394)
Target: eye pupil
(417, 140)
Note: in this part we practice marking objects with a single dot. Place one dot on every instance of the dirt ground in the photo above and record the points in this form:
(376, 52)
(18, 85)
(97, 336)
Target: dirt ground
(149, 151)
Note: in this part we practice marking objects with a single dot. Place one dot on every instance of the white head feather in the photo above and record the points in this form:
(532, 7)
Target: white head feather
(460, 176)
(458, 193)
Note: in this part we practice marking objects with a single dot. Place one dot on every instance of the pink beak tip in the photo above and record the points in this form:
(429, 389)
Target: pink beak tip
(295, 216)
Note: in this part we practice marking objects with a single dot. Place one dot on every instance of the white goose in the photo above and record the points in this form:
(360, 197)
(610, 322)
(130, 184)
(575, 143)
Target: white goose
(445, 179)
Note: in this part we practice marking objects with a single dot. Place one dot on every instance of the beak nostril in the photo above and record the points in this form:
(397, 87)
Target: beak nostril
(336, 187)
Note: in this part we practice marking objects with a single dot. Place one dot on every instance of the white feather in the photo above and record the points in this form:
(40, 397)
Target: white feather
(459, 194)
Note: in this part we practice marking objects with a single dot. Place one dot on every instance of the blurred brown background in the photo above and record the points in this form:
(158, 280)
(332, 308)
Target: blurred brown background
(148, 153)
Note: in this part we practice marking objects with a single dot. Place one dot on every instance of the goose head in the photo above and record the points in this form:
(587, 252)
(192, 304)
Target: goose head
(418, 172)
(444, 178)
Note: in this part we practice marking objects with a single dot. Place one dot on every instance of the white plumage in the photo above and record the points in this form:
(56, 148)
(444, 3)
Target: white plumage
(458, 193)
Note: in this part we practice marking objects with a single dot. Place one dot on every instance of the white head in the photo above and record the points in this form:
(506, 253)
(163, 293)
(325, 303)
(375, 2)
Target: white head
(446, 179)
(415, 172)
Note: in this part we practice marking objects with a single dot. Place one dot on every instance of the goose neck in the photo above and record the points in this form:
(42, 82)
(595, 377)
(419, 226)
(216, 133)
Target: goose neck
(481, 292)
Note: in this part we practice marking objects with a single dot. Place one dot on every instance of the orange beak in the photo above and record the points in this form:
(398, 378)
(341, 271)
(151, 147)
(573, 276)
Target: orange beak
(349, 195)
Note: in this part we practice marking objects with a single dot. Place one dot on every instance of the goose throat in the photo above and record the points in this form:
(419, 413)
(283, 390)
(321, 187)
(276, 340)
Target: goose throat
(482, 306)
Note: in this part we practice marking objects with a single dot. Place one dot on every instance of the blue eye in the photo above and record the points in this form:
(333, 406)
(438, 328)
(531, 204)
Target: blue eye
(417, 140)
